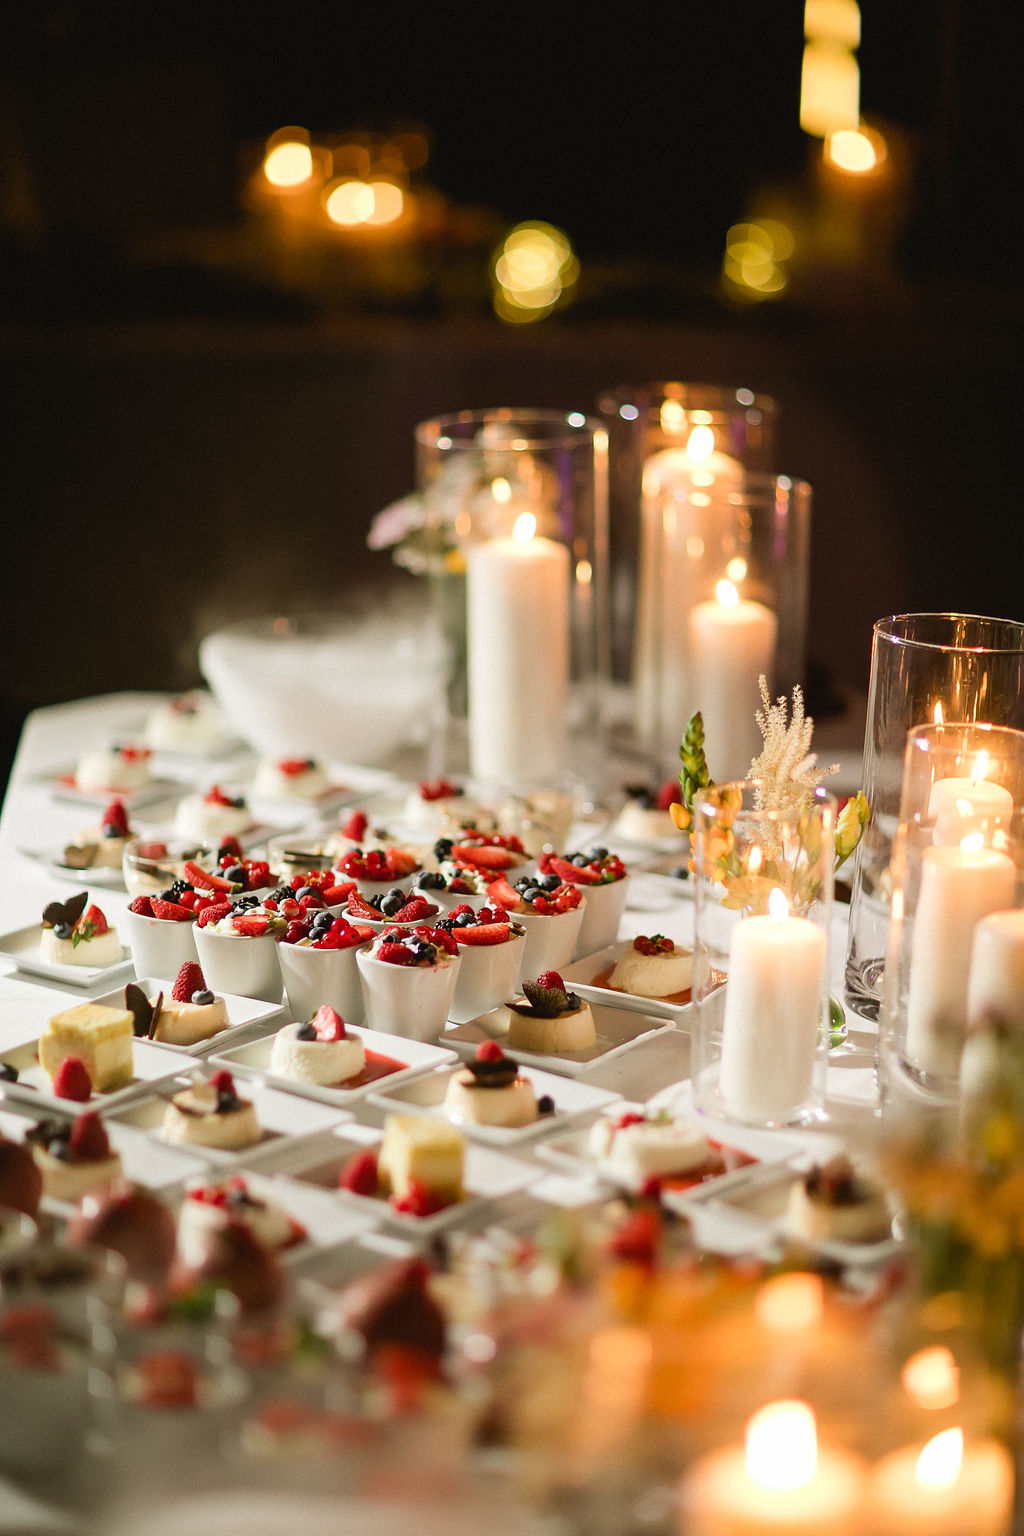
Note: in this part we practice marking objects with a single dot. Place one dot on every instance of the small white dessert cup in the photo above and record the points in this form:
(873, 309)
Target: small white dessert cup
(550, 939)
(159, 947)
(244, 964)
(488, 976)
(408, 1000)
(601, 917)
(313, 977)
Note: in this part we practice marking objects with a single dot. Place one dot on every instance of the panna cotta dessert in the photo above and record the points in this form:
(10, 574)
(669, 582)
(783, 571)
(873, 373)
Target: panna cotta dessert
(210, 1113)
(633, 1148)
(491, 1090)
(420, 1163)
(192, 1012)
(320, 1050)
(74, 1157)
(290, 778)
(95, 1035)
(439, 805)
(212, 816)
(653, 966)
(645, 816)
(114, 770)
(208, 1209)
(833, 1202)
(102, 845)
(552, 1020)
(74, 933)
(189, 722)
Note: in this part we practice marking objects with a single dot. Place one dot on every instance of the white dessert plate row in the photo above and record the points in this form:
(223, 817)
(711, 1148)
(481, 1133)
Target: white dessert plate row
(141, 1162)
(110, 879)
(425, 1096)
(243, 1014)
(488, 1175)
(409, 1058)
(151, 1063)
(22, 946)
(618, 1029)
(326, 1220)
(580, 977)
(62, 784)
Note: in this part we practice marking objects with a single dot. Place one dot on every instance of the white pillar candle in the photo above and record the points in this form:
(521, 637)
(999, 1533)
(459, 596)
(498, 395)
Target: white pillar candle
(773, 1013)
(732, 641)
(959, 886)
(995, 986)
(781, 1483)
(945, 1488)
(962, 806)
(517, 597)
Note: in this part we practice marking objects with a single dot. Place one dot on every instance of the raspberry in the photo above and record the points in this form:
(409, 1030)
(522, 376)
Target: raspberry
(396, 954)
(88, 1140)
(550, 980)
(213, 913)
(72, 1080)
(142, 905)
(189, 979)
(355, 827)
(223, 1082)
(360, 1174)
(116, 817)
(489, 1050)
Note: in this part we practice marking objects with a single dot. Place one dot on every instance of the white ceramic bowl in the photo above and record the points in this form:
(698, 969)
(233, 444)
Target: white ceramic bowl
(247, 966)
(408, 1000)
(550, 940)
(488, 975)
(601, 916)
(159, 947)
(313, 977)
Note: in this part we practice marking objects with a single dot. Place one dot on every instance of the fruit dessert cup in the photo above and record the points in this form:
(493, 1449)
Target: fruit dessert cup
(317, 959)
(409, 979)
(550, 911)
(312, 888)
(46, 1411)
(319, 1050)
(238, 950)
(117, 770)
(377, 870)
(453, 885)
(491, 853)
(290, 778)
(152, 864)
(76, 933)
(605, 882)
(491, 1090)
(396, 908)
(417, 1168)
(550, 1020)
(212, 816)
(160, 935)
(491, 949)
(101, 845)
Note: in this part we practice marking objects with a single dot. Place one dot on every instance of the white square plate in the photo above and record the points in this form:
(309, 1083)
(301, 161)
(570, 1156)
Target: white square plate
(62, 783)
(282, 1116)
(243, 1013)
(252, 1060)
(487, 1176)
(326, 1220)
(22, 946)
(151, 1063)
(618, 1029)
(580, 977)
(111, 879)
(153, 1167)
(425, 1096)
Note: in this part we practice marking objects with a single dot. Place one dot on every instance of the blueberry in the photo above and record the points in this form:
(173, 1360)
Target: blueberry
(464, 920)
(59, 1148)
(226, 1102)
(306, 890)
(596, 854)
(236, 874)
(8, 1074)
(443, 849)
(546, 1105)
(580, 860)
(433, 880)
(305, 1032)
(393, 902)
(549, 882)
(111, 832)
(62, 930)
(203, 997)
(532, 892)
(166, 895)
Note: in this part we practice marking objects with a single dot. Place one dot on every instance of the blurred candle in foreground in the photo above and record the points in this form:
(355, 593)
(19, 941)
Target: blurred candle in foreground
(517, 616)
(995, 987)
(781, 1481)
(732, 642)
(945, 1488)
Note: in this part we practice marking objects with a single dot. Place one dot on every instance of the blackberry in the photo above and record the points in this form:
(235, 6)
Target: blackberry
(236, 873)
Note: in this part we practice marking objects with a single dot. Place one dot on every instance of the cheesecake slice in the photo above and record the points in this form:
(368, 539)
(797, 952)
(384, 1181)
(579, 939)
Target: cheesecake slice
(419, 1153)
(100, 1036)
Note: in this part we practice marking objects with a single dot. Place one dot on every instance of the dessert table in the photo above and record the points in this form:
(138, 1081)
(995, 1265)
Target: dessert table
(35, 819)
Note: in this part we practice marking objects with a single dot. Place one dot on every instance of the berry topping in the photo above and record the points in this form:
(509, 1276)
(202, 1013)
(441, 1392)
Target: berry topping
(654, 944)
(328, 1023)
(547, 996)
(291, 767)
(168, 1379)
(355, 827)
(223, 1082)
(567, 869)
(202, 880)
(668, 794)
(484, 857)
(72, 1080)
(418, 1200)
(396, 954)
(545, 1105)
(438, 789)
(170, 911)
(212, 914)
(189, 979)
(88, 1140)
(253, 927)
(551, 979)
(143, 905)
(115, 820)
(360, 1174)
(489, 1050)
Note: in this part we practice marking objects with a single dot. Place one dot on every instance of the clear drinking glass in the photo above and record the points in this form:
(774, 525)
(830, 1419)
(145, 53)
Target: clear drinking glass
(763, 890)
(925, 667)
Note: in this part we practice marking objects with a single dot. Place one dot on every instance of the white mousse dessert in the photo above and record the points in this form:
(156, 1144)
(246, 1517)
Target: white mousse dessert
(113, 770)
(320, 1051)
(190, 722)
(290, 778)
(76, 934)
(491, 1090)
(74, 1157)
(211, 1114)
(833, 1202)
(206, 1211)
(631, 1148)
(212, 817)
(653, 966)
(552, 1021)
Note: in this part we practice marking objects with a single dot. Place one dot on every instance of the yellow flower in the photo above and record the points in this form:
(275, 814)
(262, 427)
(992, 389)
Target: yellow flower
(853, 818)
(681, 816)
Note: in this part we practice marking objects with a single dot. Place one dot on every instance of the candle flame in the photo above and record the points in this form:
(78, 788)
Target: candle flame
(937, 716)
(755, 861)
(973, 843)
(501, 490)
(932, 1377)
(584, 572)
(791, 1303)
(939, 1463)
(980, 768)
(782, 1445)
(727, 594)
(736, 570)
(525, 527)
(778, 906)
(700, 444)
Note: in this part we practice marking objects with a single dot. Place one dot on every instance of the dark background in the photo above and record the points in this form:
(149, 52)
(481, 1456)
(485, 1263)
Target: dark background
(192, 434)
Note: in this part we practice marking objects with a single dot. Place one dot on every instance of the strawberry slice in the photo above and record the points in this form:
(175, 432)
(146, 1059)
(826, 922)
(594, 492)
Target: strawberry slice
(399, 863)
(500, 893)
(483, 858)
(576, 874)
(252, 927)
(202, 880)
(171, 911)
(334, 895)
(359, 907)
(484, 933)
(328, 1023)
(99, 923)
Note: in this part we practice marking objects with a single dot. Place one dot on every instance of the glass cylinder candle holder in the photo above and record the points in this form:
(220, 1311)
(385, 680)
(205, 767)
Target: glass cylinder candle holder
(516, 509)
(763, 893)
(957, 860)
(925, 668)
